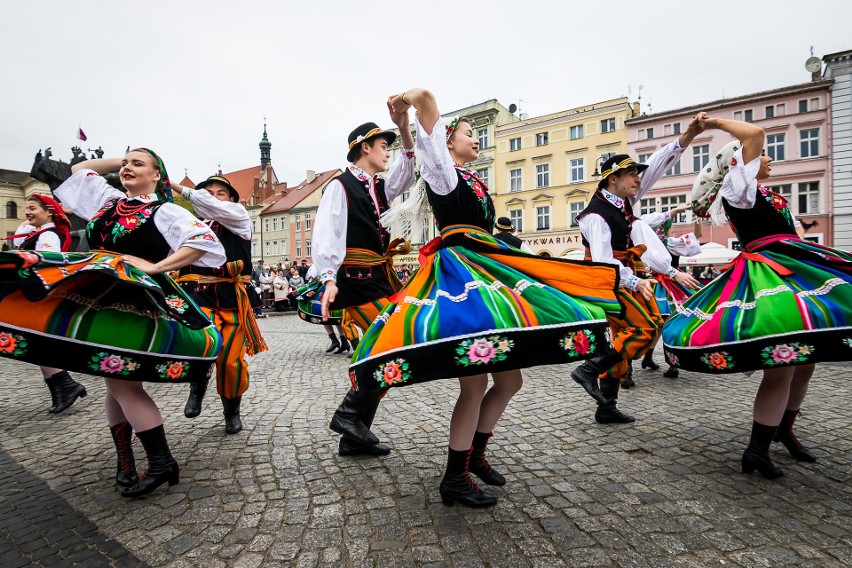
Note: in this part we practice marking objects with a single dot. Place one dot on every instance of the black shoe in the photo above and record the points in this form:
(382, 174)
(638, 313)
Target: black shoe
(648, 361)
(612, 415)
(348, 418)
(753, 460)
(671, 373)
(334, 343)
(193, 402)
(162, 467)
(785, 435)
(349, 447)
(63, 391)
(479, 465)
(586, 375)
(125, 469)
(458, 487)
(233, 424)
(628, 381)
(344, 346)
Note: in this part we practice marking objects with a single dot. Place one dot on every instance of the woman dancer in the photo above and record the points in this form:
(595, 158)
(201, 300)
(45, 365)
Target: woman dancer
(782, 305)
(48, 229)
(164, 336)
(477, 306)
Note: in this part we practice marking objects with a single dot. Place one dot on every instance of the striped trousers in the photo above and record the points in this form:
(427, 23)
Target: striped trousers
(232, 373)
(633, 334)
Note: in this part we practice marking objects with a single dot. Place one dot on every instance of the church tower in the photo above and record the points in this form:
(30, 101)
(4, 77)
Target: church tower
(265, 149)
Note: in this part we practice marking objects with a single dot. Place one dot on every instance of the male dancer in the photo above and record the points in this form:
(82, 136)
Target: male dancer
(613, 234)
(506, 233)
(226, 296)
(353, 255)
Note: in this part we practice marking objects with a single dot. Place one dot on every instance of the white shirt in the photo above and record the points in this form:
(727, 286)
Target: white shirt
(436, 163)
(48, 241)
(740, 184)
(599, 235)
(684, 245)
(85, 192)
(331, 223)
(232, 216)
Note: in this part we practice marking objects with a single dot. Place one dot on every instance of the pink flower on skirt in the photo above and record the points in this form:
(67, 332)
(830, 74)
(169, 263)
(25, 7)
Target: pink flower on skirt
(481, 351)
(112, 364)
(784, 354)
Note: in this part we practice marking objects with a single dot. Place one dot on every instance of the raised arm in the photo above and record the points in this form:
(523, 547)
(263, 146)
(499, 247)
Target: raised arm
(423, 101)
(750, 135)
(696, 127)
(100, 165)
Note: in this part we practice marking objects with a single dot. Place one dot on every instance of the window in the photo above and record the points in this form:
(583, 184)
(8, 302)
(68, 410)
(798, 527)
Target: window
(781, 109)
(542, 175)
(640, 135)
(769, 112)
(483, 175)
(784, 190)
(643, 158)
(517, 217)
(738, 115)
(541, 139)
(803, 105)
(275, 223)
(307, 247)
(254, 226)
(647, 205)
(298, 226)
(266, 226)
(254, 249)
(482, 136)
(607, 125)
(266, 247)
(676, 128)
(514, 144)
(516, 178)
(809, 142)
(274, 247)
(576, 208)
(576, 132)
(11, 210)
(808, 198)
(775, 146)
(667, 130)
(298, 248)
(650, 133)
(307, 226)
(748, 115)
(542, 218)
(674, 170)
(700, 157)
(283, 224)
(670, 202)
(283, 246)
(578, 172)
(813, 105)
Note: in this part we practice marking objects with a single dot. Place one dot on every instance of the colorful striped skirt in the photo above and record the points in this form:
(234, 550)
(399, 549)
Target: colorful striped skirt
(477, 305)
(669, 294)
(92, 313)
(309, 303)
(782, 302)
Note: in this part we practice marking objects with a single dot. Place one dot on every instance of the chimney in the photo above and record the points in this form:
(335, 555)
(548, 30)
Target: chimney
(310, 176)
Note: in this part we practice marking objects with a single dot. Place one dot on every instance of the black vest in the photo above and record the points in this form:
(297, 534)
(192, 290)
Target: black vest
(769, 216)
(133, 234)
(509, 239)
(462, 206)
(620, 221)
(30, 242)
(222, 296)
(358, 285)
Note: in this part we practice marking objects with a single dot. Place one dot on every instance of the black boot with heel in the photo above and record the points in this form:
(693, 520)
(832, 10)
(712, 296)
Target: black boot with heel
(785, 435)
(334, 343)
(63, 391)
(458, 487)
(193, 402)
(162, 467)
(479, 465)
(608, 413)
(756, 455)
(344, 346)
(586, 375)
(125, 469)
(648, 361)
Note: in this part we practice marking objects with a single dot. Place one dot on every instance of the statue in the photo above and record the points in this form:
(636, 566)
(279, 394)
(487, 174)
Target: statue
(79, 155)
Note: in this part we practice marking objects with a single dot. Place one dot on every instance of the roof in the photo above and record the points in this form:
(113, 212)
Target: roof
(243, 181)
(13, 177)
(294, 195)
(186, 182)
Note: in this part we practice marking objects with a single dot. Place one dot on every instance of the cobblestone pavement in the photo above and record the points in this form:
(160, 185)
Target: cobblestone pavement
(665, 491)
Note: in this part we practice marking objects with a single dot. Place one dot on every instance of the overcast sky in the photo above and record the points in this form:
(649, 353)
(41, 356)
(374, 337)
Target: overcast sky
(194, 79)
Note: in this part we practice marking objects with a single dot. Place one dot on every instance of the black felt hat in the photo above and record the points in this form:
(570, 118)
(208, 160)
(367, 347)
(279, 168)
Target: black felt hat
(235, 195)
(365, 132)
(504, 224)
(617, 163)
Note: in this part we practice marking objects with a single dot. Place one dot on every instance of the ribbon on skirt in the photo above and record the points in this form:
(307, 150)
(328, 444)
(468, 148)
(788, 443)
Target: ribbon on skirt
(245, 314)
(366, 257)
(432, 246)
(752, 253)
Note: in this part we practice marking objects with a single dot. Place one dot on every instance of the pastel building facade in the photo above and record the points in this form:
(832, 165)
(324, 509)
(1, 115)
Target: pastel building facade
(838, 69)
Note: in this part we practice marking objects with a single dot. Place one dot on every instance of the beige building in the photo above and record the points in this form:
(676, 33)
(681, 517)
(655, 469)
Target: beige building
(544, 170)
(15, 187)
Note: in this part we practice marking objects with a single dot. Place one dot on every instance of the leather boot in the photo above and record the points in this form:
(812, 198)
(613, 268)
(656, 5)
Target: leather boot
(648, 361)
(785, 435)
(671, 373)
(458, 487)
(608, 413)
(349, 447)
(354, 343)
(125, 469)
(756, 455)
(233, 424)
(627, 381)
(479, 466)
(344, 346)
(586, 375)
(196, 395)
(334, 343)
(162, 467)
(348, 418)
(63, 391)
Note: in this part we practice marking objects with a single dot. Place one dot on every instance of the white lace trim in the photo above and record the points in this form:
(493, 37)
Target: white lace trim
(707, 316)
(469, 286)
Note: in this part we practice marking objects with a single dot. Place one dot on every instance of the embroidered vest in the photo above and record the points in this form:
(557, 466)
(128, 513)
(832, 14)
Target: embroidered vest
(468, 204)
(620, 221)
(769, 216)
(134, 234)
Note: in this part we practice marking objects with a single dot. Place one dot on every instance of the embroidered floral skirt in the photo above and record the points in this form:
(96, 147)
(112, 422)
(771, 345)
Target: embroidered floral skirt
(482, 306)
(785, 302)
(309, 302)
(92, 313)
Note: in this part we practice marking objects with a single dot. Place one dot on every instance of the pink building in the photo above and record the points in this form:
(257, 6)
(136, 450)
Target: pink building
(797, 122)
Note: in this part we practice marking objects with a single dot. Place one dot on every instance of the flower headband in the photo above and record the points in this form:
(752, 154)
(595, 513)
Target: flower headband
(164, 186)
(452, 125)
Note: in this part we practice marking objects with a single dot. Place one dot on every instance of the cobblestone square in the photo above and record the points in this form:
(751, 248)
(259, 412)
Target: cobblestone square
(665, 491)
